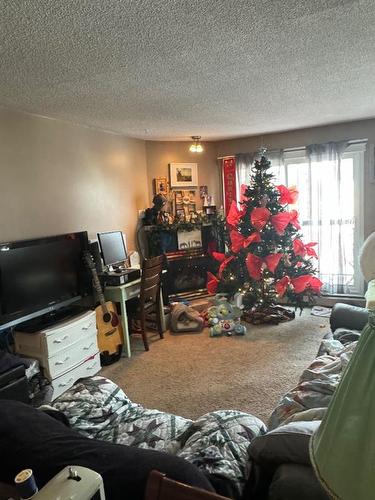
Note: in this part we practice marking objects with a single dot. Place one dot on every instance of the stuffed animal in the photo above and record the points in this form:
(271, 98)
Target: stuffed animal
(224, 318)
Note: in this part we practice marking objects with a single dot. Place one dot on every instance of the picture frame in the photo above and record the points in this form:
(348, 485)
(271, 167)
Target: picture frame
(183, 174)
(187, 240)
(161, 186)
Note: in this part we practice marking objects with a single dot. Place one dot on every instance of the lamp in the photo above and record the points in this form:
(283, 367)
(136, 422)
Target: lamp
(196, 147)
(342, 450)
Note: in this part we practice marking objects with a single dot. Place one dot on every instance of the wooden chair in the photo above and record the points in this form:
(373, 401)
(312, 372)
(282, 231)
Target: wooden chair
(150, 294)
(160, 487)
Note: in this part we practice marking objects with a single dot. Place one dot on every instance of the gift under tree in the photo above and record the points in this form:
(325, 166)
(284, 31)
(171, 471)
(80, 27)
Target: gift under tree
(266, 259)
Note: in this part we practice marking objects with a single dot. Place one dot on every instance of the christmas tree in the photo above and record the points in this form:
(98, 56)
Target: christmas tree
(266, 258)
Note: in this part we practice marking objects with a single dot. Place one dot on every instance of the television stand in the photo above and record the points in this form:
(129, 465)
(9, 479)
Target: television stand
(65, 346)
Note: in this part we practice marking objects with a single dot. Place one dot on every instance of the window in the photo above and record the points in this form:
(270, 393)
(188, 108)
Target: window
(330, 180)
(330, 207)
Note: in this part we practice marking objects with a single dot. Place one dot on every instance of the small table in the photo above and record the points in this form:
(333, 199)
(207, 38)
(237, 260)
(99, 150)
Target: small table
(121, 294)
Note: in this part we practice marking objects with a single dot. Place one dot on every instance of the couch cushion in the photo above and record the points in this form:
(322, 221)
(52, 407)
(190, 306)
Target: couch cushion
(296, 482)
(288, 443)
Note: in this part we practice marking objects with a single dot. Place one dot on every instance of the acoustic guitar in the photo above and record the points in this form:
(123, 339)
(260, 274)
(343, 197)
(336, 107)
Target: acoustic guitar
(110, 334)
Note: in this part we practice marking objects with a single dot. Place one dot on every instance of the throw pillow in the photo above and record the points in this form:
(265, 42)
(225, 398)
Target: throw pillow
(287, 443)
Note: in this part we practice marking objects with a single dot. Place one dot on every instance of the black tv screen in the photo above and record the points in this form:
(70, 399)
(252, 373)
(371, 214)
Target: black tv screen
(40, 274)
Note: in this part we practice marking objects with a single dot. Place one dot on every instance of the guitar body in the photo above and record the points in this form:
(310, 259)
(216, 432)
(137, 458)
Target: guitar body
(110, 335)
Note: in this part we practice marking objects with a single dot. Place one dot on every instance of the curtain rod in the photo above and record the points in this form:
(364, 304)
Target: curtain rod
(353, 141)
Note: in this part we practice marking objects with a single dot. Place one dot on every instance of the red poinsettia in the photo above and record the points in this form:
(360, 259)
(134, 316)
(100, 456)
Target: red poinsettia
(288, 196)
(301, 249)
(259, 217)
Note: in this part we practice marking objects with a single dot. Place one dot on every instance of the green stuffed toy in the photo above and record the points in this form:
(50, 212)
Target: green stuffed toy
(224, 318)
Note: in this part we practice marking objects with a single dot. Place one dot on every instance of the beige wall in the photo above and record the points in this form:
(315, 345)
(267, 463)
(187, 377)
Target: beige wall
(57, 177)
(364, 129)
(160, 154)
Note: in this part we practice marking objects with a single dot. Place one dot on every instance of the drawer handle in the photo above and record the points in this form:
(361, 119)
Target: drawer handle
(66, 383)
(86, 348)
(87, 326)
(58, 341)
(62, 362)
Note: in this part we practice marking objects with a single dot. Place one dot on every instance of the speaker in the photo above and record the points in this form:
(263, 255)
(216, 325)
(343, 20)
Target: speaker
(95, 252)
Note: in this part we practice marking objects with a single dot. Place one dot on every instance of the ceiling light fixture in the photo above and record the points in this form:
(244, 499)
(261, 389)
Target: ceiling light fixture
(196, 147)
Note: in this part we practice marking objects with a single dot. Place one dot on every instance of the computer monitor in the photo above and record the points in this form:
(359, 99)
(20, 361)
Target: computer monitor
(113, 247)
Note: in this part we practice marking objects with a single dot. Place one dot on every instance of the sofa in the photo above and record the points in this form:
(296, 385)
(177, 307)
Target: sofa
(230, 452)
(281, 463)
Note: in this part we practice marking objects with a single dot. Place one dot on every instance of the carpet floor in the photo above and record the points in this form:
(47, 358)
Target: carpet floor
(192, 374)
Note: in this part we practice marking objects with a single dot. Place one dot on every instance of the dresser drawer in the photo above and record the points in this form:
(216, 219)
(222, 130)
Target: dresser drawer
(50, 341)
(58, 338)
(88, 368)
(70, 357)
(132, 291)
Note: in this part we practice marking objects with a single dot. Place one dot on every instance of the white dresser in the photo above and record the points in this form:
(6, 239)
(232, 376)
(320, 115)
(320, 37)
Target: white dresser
(66, 351)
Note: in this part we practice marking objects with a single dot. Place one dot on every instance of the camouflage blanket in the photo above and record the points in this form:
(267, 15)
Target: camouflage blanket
(217, 442)
(310, 398)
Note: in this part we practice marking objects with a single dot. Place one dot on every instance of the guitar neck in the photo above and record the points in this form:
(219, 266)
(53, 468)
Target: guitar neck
(96, 283)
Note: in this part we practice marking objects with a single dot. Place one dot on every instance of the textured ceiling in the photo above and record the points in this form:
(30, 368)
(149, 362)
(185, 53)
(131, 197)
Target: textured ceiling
(169, 69)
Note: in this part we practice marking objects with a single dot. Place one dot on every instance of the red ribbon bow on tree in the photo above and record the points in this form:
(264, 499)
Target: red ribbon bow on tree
(301, 249)
(300, 284)
(282, 285)
(243, 190)
(240, 241)
(254, 264)
(294, 219)
(280, 221)
(288, 196)
(259, 217)
(212, 283)
(234, 214)
(220, 257)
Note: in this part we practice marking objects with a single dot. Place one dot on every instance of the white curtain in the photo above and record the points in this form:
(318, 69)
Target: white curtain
(329, 216)
(244, 162)
(326, 205)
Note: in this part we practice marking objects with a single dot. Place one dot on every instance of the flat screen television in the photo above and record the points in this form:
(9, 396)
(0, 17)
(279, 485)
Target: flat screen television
(113, 247)
(41, 275)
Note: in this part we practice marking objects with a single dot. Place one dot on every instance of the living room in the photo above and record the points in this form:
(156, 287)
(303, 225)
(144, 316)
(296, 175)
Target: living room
(99, 101)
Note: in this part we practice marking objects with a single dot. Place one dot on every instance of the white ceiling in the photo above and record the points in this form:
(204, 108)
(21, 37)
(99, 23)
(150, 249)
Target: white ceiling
(169, 69)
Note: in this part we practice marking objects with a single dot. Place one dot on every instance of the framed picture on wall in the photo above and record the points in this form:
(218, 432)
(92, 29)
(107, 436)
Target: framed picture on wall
(183, 174)
(161, 185)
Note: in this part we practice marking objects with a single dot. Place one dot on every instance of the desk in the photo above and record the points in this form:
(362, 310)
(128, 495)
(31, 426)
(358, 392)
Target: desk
(123, 293)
